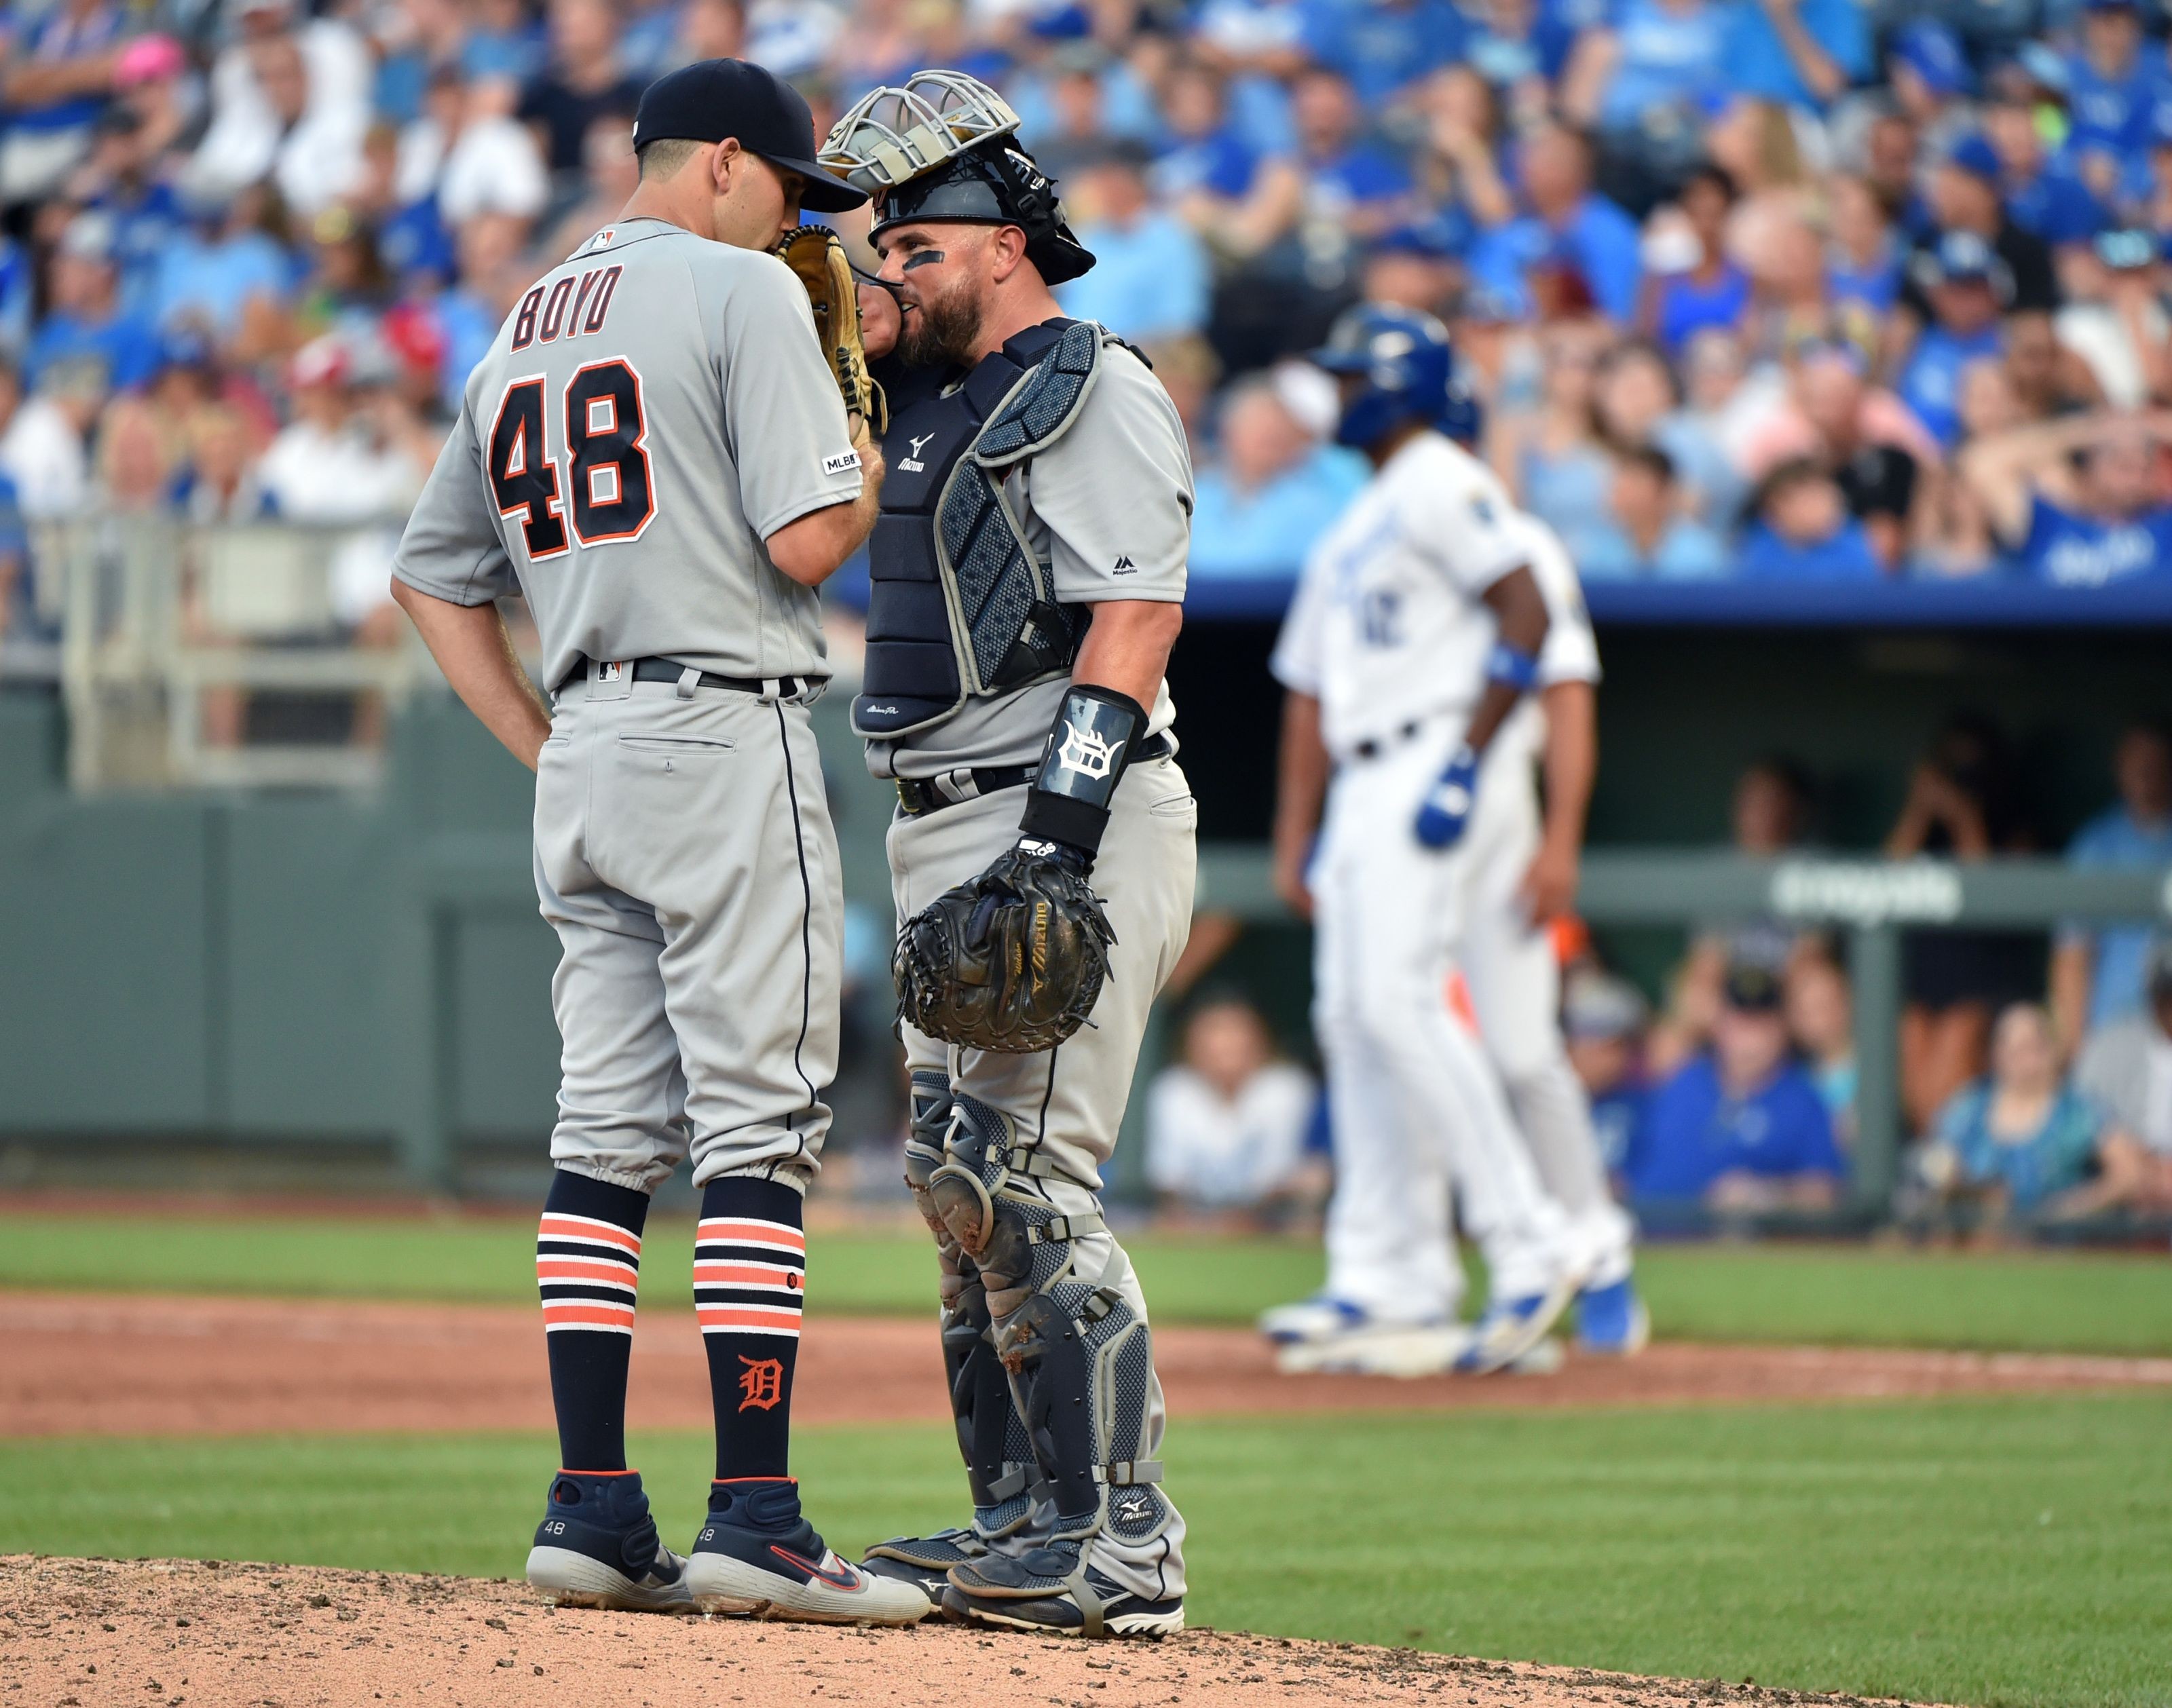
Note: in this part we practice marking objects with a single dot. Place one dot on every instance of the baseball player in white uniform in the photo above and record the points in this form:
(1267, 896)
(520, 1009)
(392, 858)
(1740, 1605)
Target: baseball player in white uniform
(1424, 619)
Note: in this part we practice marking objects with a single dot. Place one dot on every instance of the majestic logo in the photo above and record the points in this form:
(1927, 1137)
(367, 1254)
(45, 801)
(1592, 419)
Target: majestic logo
(762, 1384)
(1125, 566)
(912, 465)
(1086, 752)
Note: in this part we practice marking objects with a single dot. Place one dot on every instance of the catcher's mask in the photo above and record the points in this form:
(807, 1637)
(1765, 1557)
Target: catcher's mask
(943, 146)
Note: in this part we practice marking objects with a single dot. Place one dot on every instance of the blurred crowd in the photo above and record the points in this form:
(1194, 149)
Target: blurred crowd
(1797, 289)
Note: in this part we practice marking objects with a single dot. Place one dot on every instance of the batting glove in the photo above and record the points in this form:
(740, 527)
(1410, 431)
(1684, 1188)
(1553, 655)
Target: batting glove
(1446, 808)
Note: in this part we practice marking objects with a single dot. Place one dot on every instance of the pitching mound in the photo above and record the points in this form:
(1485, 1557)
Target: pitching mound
(119, 1365)
(161, 1633)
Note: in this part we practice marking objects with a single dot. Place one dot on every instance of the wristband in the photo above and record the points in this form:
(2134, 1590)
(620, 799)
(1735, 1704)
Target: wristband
(1088, 745)
(1513, 666)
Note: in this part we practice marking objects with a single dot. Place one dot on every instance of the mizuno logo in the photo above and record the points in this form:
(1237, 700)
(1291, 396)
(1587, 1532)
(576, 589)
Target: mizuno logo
(843, 1576)
(912, 465)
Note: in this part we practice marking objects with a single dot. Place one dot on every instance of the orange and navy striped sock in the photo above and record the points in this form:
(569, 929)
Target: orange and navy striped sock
(750, 1275)
(588, 1269)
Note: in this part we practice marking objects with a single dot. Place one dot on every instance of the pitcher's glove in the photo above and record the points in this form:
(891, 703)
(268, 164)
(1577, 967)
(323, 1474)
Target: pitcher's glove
(1012, 960)
(813, 252)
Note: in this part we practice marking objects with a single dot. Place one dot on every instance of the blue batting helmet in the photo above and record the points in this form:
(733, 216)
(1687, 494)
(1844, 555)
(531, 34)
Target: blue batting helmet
(1409, 369)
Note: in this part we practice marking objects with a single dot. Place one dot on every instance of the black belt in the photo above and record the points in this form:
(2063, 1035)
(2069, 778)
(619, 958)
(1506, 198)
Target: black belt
(1373, 748)
(917, 796)
(664, 670)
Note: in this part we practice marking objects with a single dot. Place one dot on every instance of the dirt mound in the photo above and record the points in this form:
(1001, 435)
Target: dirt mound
(163, 1633)
(91, 1365)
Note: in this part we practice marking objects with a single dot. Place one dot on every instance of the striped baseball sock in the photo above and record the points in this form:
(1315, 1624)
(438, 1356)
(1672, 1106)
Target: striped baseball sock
(750, 1275)
(588, 1269)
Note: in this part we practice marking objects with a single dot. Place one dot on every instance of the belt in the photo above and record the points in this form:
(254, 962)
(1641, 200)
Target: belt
(1374, 747)
(917, 796)
(664, 670)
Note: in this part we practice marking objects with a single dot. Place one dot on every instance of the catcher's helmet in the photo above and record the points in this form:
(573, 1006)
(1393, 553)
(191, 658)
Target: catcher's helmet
(944, 146)
(1410, 372)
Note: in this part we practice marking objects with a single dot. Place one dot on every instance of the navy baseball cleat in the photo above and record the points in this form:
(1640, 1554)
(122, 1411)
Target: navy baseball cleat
(757, 1557)
(925, 1560)
(597, 1547)
(1611, 1321)
(1046, 1590)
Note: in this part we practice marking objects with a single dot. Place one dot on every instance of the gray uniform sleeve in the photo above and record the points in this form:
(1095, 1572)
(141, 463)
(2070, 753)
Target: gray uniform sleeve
(1115, 491)
(451, 548)
(783, 417)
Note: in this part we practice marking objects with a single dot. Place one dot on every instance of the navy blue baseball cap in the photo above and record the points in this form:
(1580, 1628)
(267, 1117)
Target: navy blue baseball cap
(1934, 53)
(1973, 153)
(714, 99)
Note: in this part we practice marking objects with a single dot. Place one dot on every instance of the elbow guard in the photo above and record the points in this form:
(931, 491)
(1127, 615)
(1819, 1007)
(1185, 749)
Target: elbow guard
(1512, 667)
(1088, 748)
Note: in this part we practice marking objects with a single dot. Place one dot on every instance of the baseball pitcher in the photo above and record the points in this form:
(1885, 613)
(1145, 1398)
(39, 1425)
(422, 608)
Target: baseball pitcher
(657, 453)
(1028, 568)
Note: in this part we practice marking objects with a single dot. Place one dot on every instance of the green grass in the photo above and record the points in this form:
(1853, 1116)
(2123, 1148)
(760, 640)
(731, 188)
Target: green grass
(2084, 1303)
(1994, 1552)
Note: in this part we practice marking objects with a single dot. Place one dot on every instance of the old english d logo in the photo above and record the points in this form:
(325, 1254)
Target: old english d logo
(762, 1384)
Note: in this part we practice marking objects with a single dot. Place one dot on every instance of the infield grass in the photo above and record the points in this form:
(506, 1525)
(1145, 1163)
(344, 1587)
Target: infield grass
(1996, 1552)
(1832, 1295)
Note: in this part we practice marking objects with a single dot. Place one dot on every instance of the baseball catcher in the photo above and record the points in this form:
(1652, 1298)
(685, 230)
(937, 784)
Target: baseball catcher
(1028, 567)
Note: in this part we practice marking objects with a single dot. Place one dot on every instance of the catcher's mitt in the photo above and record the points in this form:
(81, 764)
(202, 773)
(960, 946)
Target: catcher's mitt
(815, 255)
(1011, 961)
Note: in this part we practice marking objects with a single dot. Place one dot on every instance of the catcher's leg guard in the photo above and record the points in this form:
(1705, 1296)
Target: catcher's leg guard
(1077, 1357)
(992, 1438)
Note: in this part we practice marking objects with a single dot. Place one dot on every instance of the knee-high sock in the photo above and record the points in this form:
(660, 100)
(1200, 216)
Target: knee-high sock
(750, 1276)
(588, 1269)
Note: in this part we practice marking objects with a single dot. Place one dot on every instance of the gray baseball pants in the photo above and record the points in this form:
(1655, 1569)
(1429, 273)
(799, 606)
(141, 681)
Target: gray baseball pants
(1068, 1102)
(684, 855)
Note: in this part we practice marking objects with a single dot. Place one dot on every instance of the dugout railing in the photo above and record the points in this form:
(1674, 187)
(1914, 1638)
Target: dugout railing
(1868, 903)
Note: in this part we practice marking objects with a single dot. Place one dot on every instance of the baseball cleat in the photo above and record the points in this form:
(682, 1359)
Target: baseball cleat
(1026, 1594)
(925, 1560)
(1322, 1317)
(597, 1547)
(1611, 1322)
(757, 1558)
(1512, 1328)
(1386, 1350)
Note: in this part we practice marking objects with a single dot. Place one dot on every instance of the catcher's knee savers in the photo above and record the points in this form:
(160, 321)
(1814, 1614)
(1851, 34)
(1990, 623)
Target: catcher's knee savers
(1077, 1359)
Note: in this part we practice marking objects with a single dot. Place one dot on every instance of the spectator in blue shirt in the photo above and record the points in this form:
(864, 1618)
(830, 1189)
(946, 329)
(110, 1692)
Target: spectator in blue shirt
(1646, 536)
(1239, 197)
(1703, 287)
(1801, 53)
(2077, 500)
(2021, 1142)
(207, 280)
(1740, 1127)
(1269, 492)
(2045, 195)
(1966, 285)
(56, 73)
(1150, 277)
(1603, 1024)
(1385, 47)
(2110, 87)
(1803, 532)
(1563, 217)
(1928, 69)
(1349, 183)
(86, 318)
(2096, 974)
(1655, 57)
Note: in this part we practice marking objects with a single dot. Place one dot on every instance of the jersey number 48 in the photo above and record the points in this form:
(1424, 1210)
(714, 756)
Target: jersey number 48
(606, 466)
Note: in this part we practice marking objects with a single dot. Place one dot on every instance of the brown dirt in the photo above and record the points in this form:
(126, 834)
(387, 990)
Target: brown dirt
(97, 1365)
(163, 1633)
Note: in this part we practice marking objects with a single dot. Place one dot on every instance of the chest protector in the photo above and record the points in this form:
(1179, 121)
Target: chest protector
(961, 607)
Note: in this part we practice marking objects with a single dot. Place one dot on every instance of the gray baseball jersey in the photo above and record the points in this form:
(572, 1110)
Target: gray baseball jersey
(649, 415)
(1108, 506)
(653, 410)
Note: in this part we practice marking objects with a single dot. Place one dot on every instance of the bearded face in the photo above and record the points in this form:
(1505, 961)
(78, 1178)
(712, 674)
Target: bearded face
(942, 321)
